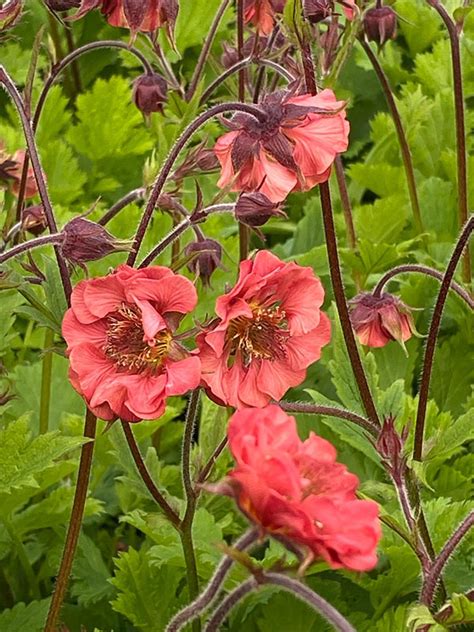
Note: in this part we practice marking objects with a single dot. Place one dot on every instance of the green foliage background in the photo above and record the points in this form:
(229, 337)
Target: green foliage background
(129, 570)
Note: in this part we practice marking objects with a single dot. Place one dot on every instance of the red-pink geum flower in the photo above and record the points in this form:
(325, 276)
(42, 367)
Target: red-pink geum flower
(379, 319)
(136, 15)
(296, 491)
(261, 13)
(292, 151)
(269, 330)
(124, 359)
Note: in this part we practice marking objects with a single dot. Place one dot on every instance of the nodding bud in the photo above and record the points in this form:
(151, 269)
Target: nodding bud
(62, 5)
(317, 10)
(390, 445)
(380, 24)
(207, 257)
(33, 219)
(379, 319)
(10, 13)
(84, 240)
(255, 209)
(150, 93)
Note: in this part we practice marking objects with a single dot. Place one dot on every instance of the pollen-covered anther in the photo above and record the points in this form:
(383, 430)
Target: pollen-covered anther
(125, 344)
(261, 337)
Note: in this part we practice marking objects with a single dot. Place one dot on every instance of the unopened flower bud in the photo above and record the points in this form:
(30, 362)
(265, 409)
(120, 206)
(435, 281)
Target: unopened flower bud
(10, 13)
(150, 93)
(87, 241)
(255, 209)
(207, 160)
(33, 219)
(62, 5)
(317, 10)
(390, 445)
(380, 24)
(379, 319)
(207, 257)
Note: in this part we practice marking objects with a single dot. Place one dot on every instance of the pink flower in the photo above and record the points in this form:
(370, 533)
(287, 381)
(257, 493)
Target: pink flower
(379, 319)
(136, 15)
(12, 168)
(270, 329)
(261, 13)
(297, 492)
(119, 331)
(293, 151)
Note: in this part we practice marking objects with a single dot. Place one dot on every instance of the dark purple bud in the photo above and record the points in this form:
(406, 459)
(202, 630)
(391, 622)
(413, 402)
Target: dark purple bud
(230, 55)
(87, 241)
(380, 24)
(150, 93)
(317, 10)
(255, 209)
(207, 257)
(206, 160)
(62, 5)
(390, 446)
(33, 219)
(10, 13)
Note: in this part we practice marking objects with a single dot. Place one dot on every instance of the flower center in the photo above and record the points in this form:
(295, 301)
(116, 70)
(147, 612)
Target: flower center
(125, 344)
(262, 337)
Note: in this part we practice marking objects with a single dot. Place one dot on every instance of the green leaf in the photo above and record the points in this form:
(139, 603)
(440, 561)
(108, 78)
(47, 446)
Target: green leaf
(27, 618)
(146, 593)
(91, 577)
(23, 458)
(447, 442)
(458, 610)
(109, 125)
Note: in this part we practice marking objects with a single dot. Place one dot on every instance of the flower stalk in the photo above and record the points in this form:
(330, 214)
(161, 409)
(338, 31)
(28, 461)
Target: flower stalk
(433, 336)
(172, 157)
(402, 139)
(454, 40)
(75, 522)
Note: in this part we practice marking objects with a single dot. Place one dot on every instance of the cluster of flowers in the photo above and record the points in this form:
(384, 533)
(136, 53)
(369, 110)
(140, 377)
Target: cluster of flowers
(126, 358)
(126, 355)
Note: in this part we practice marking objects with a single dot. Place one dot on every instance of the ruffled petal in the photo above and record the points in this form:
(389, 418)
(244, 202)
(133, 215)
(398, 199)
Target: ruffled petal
(183, 376)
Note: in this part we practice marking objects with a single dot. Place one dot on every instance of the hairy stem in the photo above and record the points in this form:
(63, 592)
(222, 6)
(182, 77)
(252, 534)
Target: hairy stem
(237, 67)
(171, 159)
(170, 238)
(432, 578)
(453, 33)
(341, 304)
(46, 373)
(191, 500)
(146, 478)
(205, 50)
(206, 470)
(47, 240)
(402, 139)
(293, 586)
(329, 411)
(136, 194)
(11, 89)
(431, 272)
(347, 212)
(75, 522)
(433, 336)
(334, 264)
(244, 231)
(228, 604)
(210, 592)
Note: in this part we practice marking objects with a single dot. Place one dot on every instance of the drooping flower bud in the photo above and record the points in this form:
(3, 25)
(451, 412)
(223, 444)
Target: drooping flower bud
(10, 13)
(255, 209)
(33, 219)
(380, 24)
(379, 319)
(317, 10)
(150, 93)
(207, 257)
(62, 5)
(87, 241)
